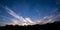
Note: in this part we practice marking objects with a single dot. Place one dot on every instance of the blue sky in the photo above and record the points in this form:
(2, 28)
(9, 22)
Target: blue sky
(35, 10)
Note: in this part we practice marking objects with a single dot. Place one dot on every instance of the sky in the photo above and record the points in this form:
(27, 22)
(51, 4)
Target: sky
(29, 12)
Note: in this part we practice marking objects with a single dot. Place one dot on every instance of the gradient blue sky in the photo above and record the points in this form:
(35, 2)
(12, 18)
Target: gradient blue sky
(34, 9)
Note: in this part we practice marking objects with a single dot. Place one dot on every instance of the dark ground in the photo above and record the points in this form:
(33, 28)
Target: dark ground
(48, 26)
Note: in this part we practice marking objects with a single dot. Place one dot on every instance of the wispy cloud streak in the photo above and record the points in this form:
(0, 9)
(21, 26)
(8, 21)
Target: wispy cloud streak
(28, 21)
(21, 19)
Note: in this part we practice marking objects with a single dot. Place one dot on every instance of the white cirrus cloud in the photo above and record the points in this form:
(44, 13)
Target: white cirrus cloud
(28, 21)
(21, 19)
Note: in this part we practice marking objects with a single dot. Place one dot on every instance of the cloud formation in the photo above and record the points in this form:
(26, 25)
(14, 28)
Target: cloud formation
(28, 21)
(21, 19)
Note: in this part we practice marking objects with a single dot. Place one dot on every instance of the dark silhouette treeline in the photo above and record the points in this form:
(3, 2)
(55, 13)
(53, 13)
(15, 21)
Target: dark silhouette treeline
(48, 26)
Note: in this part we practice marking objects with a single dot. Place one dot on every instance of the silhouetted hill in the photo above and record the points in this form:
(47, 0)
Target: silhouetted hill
(48, 26)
